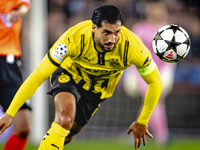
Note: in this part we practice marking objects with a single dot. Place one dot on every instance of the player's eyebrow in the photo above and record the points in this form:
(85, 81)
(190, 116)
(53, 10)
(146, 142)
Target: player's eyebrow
(108, 31)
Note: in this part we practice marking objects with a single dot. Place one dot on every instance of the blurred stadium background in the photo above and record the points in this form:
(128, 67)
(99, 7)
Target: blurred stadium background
(48, 19)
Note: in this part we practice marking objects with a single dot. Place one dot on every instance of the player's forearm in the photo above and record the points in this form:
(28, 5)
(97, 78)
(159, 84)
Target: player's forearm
(152, 96)
(26, 90)
(30, 85)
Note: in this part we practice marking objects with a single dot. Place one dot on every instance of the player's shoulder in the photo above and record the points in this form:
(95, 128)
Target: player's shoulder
(137, 51)
(128, 34)
(83, 27)
(133, 39)
(78, 32)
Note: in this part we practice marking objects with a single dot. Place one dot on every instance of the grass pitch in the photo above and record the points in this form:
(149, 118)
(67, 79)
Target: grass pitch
(113, 144)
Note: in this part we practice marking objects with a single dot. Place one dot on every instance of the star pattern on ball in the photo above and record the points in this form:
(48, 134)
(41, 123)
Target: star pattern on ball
(157, 36)
(174, 28)
(187, 42)
(172, 44)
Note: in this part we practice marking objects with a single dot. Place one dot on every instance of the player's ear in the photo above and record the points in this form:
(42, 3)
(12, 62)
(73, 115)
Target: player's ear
(94, 27)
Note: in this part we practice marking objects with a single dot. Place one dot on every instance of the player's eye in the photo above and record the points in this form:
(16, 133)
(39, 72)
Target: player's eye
(117, 33)
(107, 32)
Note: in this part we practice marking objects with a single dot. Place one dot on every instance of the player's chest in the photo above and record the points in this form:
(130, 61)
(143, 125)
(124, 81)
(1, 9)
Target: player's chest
(109, 60)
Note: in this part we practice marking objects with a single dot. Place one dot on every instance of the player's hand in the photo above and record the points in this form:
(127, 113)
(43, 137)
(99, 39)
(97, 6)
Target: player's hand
(18, 13)
(14, 16)
(139, 132)
(5, 122)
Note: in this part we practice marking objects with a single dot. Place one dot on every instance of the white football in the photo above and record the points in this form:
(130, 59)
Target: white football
(171, 43)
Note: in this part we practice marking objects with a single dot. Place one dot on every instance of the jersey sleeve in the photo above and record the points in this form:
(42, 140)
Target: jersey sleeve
(62, 48)
(142, 59)
(139, 55)
(151, 76)
(152, 96)
(30, 85)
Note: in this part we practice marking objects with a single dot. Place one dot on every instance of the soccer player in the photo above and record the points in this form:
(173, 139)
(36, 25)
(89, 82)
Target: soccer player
(85, 64)
(11, 15)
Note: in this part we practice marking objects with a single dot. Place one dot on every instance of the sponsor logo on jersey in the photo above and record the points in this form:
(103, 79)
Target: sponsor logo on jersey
(63, 78)
(106, 72)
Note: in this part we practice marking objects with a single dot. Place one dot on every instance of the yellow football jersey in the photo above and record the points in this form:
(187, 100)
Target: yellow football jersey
(97, 70)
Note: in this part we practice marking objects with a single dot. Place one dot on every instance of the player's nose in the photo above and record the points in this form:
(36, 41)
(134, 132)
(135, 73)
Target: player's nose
(112, 38)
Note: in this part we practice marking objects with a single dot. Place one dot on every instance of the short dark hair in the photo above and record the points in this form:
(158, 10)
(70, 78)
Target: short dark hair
(108, 13)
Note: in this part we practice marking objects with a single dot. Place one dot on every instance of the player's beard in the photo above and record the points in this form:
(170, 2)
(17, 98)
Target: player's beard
(103, 46)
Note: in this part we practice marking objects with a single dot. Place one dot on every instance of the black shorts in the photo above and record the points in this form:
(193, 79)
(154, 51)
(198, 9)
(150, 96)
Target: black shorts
(10, 81)
(86, 102)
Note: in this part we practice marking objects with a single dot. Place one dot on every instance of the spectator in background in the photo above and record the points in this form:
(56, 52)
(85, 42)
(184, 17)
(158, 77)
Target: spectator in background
(156, 17)
(11, 14)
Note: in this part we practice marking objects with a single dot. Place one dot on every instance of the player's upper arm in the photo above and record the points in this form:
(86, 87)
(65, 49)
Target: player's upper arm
(62, 48)
(149, 72)
(148, 67)
(59, 50)
(153, 77)
(141, 57)
(45, 69)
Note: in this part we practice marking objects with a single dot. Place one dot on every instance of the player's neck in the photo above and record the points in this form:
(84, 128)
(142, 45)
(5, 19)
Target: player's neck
(98, 48)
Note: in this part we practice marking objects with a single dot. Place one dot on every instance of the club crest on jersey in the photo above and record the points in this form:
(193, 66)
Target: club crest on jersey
(61, 49)
(114, 62)
(147, 62)
(63, 78)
